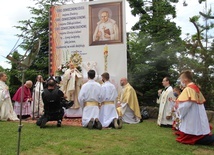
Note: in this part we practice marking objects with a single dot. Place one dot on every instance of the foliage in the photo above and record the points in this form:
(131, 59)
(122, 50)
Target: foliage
(134, 139)
(14, 75)
(1, 69)
(37, 26)
(153, 50)
(199, 57)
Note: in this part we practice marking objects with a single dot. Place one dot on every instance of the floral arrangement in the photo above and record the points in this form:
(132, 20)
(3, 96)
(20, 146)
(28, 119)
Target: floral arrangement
(62, 68)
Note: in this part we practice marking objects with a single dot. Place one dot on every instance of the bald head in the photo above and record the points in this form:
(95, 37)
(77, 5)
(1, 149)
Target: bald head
(123, 81)
(28, 84)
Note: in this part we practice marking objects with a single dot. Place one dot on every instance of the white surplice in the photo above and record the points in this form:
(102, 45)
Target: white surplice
(37, 99)
(90, 92)
(193, 118)
(6, 107)
(165, 108)
(108, 111)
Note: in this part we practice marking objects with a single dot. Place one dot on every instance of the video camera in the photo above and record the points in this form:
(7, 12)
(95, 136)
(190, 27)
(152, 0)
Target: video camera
(66, 104)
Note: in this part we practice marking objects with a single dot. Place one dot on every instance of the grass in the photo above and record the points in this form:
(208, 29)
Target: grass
(133, 139)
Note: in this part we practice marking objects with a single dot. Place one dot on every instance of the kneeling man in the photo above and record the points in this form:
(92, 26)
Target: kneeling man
(53, 110)
(89, 98)
(128, 107)
(194, 127)
(108, 112)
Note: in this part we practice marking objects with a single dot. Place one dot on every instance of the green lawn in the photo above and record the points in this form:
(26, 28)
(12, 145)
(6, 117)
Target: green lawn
(140, 139)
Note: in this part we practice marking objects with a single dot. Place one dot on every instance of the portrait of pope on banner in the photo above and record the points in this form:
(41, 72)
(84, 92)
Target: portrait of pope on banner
(105, 24)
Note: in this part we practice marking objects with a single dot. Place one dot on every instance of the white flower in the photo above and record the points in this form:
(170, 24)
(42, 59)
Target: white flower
(59, 68)
(64, 69)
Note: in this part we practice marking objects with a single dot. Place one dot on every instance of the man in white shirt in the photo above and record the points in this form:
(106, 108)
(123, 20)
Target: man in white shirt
(89, 98)
(108, 113)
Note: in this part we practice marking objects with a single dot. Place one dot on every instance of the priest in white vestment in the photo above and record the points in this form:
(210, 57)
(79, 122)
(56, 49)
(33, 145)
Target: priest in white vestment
(38, 104)
(71, 84)
(128, 106)
(166, 105)
(6, 107)
(108, 113)
(89, 99)
(194, 127)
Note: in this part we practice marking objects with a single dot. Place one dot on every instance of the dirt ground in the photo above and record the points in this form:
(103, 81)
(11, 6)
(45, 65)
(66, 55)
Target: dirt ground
(65, 121)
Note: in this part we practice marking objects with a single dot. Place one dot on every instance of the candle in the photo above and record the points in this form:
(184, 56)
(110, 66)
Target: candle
(106, 50)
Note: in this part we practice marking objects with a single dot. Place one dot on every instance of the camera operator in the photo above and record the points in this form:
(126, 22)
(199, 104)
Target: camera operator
(57, 80)
(53, 108)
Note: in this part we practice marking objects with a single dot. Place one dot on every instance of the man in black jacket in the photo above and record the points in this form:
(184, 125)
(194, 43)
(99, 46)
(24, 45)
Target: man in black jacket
(53, 108)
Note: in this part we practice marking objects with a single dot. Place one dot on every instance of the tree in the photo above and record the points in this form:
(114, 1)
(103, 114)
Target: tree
(199, 57)
(1, 69)
(37, 26)
(153, 50)
(14, 75)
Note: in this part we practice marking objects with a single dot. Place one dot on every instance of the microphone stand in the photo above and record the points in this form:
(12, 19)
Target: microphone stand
(20, 114)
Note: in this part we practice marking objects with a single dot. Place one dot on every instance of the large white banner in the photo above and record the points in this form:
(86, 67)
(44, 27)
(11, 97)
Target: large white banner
(92, 35)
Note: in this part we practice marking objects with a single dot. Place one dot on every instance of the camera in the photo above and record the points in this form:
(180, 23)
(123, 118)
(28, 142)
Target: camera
(66, 104)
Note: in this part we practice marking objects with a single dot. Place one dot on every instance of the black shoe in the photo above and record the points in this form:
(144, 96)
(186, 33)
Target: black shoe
(97, 124)
(91, 123)
(44, 121)
(119, 122)
(115, 123)
(166, 125)
(59, 122)
(39, 122)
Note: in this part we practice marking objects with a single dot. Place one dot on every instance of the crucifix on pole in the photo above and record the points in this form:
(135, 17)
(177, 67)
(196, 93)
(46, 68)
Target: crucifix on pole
(22, 65)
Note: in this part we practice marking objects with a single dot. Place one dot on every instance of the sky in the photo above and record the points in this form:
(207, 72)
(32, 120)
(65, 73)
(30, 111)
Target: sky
(12, 11)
